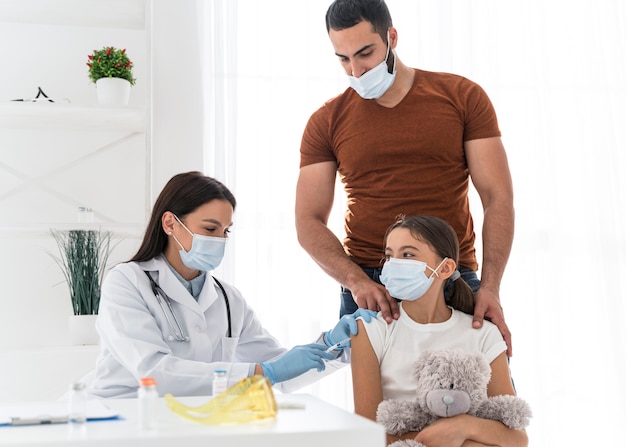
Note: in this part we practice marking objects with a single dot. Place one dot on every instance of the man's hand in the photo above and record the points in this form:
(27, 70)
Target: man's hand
(371, 295)
(488, 306)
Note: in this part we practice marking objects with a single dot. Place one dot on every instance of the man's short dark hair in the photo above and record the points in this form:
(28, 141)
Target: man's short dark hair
(342, 14)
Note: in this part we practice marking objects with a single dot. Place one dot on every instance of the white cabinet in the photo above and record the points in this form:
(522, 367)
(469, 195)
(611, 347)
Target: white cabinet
(55, 157)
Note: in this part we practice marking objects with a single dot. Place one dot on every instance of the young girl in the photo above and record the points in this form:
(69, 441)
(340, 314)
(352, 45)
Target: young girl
(421, 255)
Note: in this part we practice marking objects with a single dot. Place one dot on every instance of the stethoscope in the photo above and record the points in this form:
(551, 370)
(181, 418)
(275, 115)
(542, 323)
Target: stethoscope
(177, 331)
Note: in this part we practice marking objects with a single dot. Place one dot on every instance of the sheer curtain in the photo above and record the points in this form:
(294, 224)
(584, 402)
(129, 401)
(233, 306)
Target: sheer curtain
(555, 71)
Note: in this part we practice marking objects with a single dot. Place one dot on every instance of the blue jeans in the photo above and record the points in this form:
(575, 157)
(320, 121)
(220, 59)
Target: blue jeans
(348, 306)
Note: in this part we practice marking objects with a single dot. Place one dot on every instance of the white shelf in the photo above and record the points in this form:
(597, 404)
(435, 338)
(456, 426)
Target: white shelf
(128, 14)
(46, 115)
(42, 230)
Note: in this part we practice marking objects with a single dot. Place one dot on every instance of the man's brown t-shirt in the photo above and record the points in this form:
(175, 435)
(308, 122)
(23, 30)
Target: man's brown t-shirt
(405, 160)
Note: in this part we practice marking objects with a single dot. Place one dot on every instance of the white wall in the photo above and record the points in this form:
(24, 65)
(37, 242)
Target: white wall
(46, 172)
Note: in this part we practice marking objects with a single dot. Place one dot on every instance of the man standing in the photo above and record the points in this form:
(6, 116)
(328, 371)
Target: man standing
(404, 141)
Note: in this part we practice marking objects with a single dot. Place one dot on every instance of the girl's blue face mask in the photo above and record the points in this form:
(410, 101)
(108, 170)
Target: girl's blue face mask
(406, 279)
(206, 252)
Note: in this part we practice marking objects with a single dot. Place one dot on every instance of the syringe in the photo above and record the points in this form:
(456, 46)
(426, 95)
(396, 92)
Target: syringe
(339, 345)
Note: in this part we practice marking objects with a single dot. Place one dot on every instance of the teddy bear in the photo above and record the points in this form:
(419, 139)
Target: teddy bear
(450, 382)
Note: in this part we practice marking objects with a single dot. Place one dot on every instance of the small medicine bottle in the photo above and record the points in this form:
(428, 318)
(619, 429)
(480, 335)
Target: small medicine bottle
(220, 381)
(78, 403)
(85, 215)
(148, 397)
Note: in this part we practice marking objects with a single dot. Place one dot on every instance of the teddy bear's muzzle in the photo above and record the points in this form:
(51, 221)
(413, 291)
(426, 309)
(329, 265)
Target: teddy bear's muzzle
(448, 403)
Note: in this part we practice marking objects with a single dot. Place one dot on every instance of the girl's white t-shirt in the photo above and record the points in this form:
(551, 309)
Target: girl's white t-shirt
(399, 343)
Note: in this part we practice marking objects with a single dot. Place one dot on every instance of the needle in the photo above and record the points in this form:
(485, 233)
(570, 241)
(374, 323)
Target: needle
(338, 345)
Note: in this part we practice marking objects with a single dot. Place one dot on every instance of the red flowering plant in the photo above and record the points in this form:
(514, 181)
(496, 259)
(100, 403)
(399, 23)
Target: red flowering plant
(110, 62)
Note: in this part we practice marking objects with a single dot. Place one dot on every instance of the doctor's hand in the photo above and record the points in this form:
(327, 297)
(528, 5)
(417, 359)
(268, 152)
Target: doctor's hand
(296, 361)
(346, 327)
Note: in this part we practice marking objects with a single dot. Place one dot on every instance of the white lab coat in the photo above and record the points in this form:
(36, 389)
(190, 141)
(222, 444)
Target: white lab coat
(134, 334)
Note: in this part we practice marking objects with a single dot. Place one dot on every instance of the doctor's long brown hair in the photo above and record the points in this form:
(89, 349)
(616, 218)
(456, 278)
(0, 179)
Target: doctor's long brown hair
(182, 194)
(440, 236)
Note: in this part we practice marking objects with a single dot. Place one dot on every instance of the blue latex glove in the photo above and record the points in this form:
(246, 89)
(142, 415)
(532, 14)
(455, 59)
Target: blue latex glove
(346, 327)
(296, 361)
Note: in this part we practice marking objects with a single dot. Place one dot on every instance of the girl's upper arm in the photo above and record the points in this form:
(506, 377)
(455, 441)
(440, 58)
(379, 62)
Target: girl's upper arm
(500, 383)
(365, 375)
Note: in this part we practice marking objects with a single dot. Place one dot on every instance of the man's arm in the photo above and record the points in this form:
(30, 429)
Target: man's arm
(489, 171)
(314, 200)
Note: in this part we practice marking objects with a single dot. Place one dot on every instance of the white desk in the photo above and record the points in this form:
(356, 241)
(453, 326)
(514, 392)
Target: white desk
(319, 424)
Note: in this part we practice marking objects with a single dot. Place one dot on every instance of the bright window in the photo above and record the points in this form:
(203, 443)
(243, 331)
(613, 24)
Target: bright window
(555, 72)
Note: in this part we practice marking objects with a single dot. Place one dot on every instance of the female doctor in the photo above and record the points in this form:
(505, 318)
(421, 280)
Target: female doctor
(162, 315)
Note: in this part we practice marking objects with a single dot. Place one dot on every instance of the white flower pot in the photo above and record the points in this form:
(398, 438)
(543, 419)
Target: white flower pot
(83, 330)
(113, 91)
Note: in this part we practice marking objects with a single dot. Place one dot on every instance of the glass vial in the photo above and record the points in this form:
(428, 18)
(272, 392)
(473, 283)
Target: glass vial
(85, 215)
(220, 381)
(78, 403)
(148, 396)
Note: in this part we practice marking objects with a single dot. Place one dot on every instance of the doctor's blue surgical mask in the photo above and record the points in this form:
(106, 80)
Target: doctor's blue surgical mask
(206, 252)
(406, 279)
(374, 83)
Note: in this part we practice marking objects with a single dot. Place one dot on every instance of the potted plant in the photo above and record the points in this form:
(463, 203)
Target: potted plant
(112, 71)
(83, 255)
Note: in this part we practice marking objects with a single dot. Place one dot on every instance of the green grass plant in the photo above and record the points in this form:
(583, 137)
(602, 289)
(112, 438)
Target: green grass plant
(83, 255)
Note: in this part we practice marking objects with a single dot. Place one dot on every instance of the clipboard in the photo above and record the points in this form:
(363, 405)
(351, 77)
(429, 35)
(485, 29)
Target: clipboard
(44, 413)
